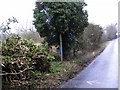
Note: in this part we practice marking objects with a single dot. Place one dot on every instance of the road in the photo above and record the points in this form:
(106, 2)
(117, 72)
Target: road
(101, 73)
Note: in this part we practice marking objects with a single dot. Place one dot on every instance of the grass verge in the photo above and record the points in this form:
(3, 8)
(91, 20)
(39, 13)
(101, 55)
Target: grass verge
(60, 72)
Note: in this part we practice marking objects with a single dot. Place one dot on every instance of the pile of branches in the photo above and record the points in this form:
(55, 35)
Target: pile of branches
(20, 56)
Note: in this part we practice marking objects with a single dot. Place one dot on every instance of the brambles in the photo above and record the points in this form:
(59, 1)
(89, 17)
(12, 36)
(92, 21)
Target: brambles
(41, 63)
(19, 55)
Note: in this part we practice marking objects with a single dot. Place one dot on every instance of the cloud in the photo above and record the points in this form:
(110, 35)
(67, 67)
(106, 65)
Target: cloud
(102, 12)
(20, 9)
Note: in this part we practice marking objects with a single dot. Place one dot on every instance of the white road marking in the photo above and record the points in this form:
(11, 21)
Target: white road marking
(93, 82)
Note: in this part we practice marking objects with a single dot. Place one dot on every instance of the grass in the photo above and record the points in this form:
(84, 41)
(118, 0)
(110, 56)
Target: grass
(57, 67)
(61, 72)
(104, 44)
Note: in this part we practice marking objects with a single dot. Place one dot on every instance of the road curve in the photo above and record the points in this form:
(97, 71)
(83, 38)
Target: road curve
(101, 73)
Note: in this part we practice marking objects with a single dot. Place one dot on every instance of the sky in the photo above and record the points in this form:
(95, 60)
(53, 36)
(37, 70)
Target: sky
(22, 10)
(102, 12)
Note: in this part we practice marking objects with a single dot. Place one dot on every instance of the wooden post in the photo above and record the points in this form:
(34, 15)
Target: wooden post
(61, 50)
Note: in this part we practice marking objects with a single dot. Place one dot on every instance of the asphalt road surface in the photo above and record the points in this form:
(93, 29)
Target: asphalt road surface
(101, 73)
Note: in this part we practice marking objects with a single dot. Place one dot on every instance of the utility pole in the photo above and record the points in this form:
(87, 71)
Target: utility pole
(61, 50)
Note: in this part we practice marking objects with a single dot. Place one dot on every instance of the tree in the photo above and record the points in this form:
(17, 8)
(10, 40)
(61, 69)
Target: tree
(92, 36)
(103, 37)
(111, 32)
(66, 18)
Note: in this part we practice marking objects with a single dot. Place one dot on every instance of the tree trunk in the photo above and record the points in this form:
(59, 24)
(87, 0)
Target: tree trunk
(66, 54)
(74, 52)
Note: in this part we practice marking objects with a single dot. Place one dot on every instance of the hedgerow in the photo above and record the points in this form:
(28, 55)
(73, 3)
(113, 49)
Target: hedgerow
(20, 55)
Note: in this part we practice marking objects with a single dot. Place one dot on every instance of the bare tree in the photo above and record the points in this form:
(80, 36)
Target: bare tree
(5, 28)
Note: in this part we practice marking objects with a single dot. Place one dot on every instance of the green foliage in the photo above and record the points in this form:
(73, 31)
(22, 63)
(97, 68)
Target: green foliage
(92, 35)
(18, 53)
(16, 46)
(104, 37)
(56, 67)
(50, 57)
(111, 31)
(55, 18)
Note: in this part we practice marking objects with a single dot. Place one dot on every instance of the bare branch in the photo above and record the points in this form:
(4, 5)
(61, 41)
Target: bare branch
(15, 73)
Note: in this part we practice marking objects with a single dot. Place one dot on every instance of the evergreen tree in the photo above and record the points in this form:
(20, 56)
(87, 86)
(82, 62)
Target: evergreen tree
(66, 18)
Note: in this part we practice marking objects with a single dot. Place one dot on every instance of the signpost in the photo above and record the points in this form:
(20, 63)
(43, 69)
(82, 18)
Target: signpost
(61, 50)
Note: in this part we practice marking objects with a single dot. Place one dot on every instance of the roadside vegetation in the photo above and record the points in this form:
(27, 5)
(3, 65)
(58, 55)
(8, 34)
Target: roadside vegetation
(31, 59)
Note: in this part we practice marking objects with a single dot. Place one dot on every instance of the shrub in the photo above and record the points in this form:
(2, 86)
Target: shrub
(18, 53)
(92, 35)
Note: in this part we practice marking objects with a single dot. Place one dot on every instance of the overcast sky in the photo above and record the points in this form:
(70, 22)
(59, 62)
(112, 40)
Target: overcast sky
(102, 12)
